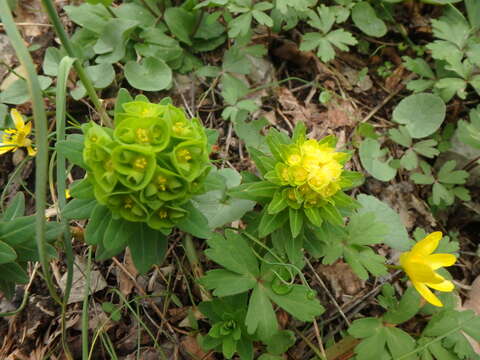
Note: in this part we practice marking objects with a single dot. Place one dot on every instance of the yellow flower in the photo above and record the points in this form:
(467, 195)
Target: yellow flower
(420, 265)
(13, 139)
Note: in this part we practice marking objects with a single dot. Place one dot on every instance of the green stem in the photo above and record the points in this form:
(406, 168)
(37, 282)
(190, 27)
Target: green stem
(41, 130)
(85, 306)
(63, 71)
(92, 94)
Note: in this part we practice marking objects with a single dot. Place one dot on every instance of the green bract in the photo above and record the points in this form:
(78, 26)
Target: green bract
(303, 181)
(154, 161)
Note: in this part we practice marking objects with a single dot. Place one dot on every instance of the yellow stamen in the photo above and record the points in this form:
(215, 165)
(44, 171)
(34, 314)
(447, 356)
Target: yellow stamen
(128, 203)
(184, 155)
(163, 214)
(140, 163)
(162, 181)
(142, 135)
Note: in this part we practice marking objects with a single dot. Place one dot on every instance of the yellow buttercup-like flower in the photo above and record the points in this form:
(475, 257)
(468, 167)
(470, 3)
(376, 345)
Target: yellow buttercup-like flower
(420, 264)
(13, 139)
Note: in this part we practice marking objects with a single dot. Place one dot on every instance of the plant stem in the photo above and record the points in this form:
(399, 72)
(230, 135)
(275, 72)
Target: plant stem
(85, 306)
(195, 263)
(41, 130)
(63, 71)
(92, 94)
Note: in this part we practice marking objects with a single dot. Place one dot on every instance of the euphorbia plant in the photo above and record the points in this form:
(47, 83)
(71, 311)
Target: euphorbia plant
(140, 177)
(303, 182)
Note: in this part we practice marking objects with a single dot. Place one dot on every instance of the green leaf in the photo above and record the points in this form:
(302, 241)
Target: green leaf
(365, 327)
(99, 220)
(366, 19)
(17, 93)
(448, 175)
(51, 60)
(151, 74)
(401, 136)
(270, 223)
(79, 209)
(234, 60)
(313, 215)
(403, 310)
(181, 23)
(409, 160)
(117, 233)
(148, 247)
(397, 236)
(422, 114)
(91, 17)
(112, 43)
(280, 342)
(194, 223)
(18, 230)
(226, 283)
(254, 190)
(365, 229)
(15, 208)
(441, 193)
(331, 214)
(261, 318)
(233, 89)
(426, 148)
(72, 149)
(278, 202)
(216, 205)
(12, 272)
(249, 132)
(82, 189)
(371, 157)
(233, 253)
(299, 302)
(422, 179)
(469, 132)
(419, 66)
(399, 343)
(7, 253)
(296, 221)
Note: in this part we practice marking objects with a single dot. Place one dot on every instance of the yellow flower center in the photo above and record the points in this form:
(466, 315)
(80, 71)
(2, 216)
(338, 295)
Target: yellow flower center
(142, 135)
(179, 128)
(162, 181)
(128, 203)
(140, 163)
(94, 138)
(291, 195)
(184, 155)
(294, 159)
(163, 214)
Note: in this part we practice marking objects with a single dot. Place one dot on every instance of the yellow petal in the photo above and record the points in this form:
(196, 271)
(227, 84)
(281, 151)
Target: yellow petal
(427, 294)
(28, 128)
(31, 151)
(436, 261)
(445, 286)
(6, 148)
(17, 119)
(428, 244)
(419, 272)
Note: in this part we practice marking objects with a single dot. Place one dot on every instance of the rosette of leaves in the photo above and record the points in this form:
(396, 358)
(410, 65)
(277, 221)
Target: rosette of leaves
(269, 280)
(228, 333)
(302, 182)
(141, 176)
(18, 245)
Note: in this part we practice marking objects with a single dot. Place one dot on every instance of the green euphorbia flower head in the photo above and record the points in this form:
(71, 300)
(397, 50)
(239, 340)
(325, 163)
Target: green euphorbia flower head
(152, 162)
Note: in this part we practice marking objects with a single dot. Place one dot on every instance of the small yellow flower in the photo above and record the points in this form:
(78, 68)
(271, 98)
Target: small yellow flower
(13, 139)
(420, 265)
